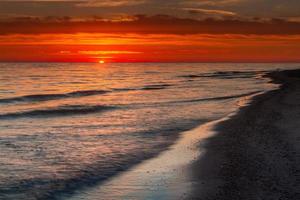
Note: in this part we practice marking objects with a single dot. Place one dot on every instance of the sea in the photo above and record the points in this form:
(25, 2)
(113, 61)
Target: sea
(67, 127)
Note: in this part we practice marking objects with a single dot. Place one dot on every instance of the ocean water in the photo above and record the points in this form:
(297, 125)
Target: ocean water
(68, 127)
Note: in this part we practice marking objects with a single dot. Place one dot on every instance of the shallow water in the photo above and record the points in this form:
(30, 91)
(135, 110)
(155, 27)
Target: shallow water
(167, 176)
(69, 127)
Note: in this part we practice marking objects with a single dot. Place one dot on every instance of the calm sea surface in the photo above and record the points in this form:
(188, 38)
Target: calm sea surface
(67, 127)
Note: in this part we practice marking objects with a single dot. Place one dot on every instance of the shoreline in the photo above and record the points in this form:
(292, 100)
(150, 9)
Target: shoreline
(168, 176)
(254, 155)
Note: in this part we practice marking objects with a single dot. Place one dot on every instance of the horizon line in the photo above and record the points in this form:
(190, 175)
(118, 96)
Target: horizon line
(152, 62)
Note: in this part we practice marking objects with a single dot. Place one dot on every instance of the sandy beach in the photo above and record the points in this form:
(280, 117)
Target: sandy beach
(255, 154)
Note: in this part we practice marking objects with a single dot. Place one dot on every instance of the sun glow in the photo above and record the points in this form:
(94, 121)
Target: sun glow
(149, 48)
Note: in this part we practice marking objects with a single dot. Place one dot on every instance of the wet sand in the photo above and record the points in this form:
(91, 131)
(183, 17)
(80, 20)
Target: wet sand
(255, 154)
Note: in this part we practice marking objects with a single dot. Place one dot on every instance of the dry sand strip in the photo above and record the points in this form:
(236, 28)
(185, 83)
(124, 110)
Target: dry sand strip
(255, 155)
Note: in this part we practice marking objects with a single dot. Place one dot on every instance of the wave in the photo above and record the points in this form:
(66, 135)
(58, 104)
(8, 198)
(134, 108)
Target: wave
(174, 103)
(208, 99)
(57, 111)
(220, 98)
(81, 93)
(46, 97)
(156, 87)
(146, 87)
(225, 75)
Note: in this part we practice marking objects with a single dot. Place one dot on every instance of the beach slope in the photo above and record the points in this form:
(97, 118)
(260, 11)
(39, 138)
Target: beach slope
(255, 154)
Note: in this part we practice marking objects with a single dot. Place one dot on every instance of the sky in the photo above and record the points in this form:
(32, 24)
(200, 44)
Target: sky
(150, 30)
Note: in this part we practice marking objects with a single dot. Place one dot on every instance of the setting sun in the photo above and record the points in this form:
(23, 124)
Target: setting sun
(101, 61)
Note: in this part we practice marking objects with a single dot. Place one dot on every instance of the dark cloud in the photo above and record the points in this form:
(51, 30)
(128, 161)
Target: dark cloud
(179, 8)
(254, 8)
(158, 24)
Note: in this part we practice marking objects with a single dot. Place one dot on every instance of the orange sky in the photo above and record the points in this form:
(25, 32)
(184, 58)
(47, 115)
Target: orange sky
(150, 48)
(150, 40)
